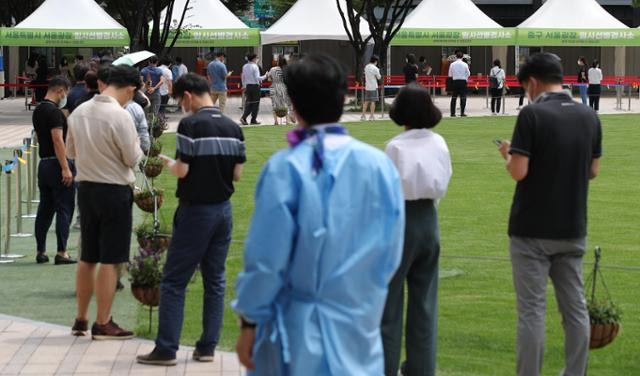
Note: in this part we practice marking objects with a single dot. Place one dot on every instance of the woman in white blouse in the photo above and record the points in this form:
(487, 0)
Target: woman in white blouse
(424, 165)
(594, 90)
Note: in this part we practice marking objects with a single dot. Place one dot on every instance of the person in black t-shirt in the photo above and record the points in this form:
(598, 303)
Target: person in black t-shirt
(583, 79)
(555, 151)
(55, 172)
(411, 69)
(210, 154)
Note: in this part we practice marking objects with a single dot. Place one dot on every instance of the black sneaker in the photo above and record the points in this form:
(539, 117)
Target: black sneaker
(255, 122)
(201, 356)
(463, 115)
(243, 121)
(453, 115)
(59, 260)
(156, 359)
(80, 328)
(110, 330)
(41, 258)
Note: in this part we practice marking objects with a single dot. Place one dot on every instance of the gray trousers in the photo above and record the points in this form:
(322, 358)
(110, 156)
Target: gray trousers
(533, 260)
(419, 269)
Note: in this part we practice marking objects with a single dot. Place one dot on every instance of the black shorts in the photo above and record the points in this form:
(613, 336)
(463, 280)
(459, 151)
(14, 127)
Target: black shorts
(106, 221)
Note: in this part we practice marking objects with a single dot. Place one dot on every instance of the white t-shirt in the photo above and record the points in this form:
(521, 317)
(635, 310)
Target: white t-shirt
(595, 76)
(423, 162)
(371, 76)
(498, 73)
(168, 77)
(182, 70)
(459, 70)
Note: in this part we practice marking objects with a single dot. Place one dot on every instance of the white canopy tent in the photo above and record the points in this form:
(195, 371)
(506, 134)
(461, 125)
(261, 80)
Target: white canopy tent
(58, 24)
(311, 20)
(432, 23)
(210, 23)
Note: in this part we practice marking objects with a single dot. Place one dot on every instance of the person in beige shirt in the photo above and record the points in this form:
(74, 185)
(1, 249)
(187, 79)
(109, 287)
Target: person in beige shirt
(104, 143)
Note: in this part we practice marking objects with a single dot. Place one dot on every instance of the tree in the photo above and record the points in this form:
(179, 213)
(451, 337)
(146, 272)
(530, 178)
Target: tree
(238, 6)
(383, 29)
(136, 15)
(12, 12)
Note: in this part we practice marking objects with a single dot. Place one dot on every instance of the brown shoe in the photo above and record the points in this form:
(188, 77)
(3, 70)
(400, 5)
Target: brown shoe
(80, 328)
(110, 330)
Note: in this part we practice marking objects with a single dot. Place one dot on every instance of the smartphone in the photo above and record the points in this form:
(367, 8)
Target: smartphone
(498, 142)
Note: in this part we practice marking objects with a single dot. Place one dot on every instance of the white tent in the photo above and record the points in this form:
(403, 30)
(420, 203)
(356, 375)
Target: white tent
(575, 23)
(449, 14)
(451, 22)
(572, 14)
(210, 23)
(57, 23)
(311, 20)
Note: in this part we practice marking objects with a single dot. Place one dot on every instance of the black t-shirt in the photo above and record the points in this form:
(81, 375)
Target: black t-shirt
(47, 116)
(582, 74)
(410, 71)
(212, 145)
(561, 138)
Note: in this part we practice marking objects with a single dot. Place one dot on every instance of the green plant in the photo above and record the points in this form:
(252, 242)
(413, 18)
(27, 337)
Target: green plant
(147, 193)
(156, 148)
(145, 269)
(604, 312)
(146, 230)
(281, 111)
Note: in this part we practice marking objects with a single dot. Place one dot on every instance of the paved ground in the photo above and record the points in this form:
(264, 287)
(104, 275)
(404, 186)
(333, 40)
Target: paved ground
(15, 120)
(33, 348)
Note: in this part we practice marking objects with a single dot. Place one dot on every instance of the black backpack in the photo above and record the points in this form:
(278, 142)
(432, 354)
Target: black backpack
(493, 82)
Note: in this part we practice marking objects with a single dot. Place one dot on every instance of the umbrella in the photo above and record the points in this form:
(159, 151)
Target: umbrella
(134, 58)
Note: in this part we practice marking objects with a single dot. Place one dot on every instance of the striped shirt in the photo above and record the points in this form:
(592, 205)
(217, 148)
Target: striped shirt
(212, 145)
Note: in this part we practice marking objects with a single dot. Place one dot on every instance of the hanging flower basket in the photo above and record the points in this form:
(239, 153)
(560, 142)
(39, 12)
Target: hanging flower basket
(155, 149)
(604, 315)
(145, 200)
(157, 242)
(152, 167)
(149, 296)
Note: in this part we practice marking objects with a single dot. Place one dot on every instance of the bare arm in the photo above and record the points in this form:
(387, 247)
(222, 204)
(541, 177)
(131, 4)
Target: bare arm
(517, 164)
(237, 172)
(595, 168)
(61, 154)
(177, 168)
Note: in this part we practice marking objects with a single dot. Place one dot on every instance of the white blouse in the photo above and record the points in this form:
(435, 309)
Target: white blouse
(423, 162)
(595, 76)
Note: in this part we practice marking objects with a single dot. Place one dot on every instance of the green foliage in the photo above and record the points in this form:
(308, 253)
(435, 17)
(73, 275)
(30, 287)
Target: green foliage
(635, 3)
(147, 193)
(145, 269)
(604, 312)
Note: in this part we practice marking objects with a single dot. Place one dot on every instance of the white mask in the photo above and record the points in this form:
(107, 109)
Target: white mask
(63, 102)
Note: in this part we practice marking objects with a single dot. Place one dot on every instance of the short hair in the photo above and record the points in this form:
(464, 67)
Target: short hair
(411, 58)
(191, 82)
(59, 81)
(422, 59)
(178, 60)
(317, 86)
(221, 54)
(104, 72)
(79, 57)
(459, 54)
(497, 63)
(282, 62)
(414, 108)
(166, 60)
(153, 59)
(583, 60)
(91, 80)
(80, 70)
(542, 66)
(374, 59)
(121, 76)
(251, 57)
(595, 63)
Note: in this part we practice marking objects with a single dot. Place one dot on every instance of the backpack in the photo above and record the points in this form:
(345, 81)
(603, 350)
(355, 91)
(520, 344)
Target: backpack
(493, 82)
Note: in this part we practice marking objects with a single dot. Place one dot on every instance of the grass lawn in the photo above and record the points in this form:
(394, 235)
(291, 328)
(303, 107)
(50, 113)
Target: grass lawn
(477, 306)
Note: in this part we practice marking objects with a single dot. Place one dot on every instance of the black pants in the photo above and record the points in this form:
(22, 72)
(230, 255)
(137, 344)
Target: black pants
(594, 92)
(252, 104)
(496, 100)
(164, 100)
(459, 89)
(55, 199)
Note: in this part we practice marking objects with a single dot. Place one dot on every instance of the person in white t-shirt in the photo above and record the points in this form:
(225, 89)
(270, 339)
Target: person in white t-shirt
(595, 88)
(167, 87)
(371, 77)
(422, 159)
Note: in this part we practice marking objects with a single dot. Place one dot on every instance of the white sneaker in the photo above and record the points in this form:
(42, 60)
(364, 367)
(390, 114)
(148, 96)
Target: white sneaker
(371, 118)
(494, 114)
(363, 118)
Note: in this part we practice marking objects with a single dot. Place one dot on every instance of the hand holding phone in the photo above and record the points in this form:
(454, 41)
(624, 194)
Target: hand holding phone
(498, 142)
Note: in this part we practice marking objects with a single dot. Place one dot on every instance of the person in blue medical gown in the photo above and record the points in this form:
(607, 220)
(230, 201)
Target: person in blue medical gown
(325, 240)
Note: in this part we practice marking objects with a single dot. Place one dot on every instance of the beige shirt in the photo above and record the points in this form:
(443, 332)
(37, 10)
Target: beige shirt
(104, 142)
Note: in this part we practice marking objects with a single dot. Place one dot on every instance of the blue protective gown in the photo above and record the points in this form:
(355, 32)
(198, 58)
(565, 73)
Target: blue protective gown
(320, 253)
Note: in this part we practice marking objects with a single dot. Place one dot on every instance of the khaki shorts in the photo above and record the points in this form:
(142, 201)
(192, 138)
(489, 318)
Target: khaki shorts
(222, 97)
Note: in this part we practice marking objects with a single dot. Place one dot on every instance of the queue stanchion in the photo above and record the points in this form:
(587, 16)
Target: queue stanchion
(34, 169)
(3, 259)
(629, 108)
(8, 169)
(17, 155)
(28, 151)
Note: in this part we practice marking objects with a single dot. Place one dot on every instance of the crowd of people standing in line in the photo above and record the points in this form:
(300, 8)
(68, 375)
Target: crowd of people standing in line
(325, 293)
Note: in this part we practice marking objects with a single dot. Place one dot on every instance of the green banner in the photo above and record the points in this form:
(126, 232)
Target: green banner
(455, 37)
(216, 38)
(64, 37)
(578, 37)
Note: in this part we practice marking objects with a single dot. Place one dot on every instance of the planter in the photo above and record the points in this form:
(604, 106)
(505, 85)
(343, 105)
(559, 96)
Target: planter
(603, 334)
(281, 112)
(153, 170)
(157, 132)
(158, 242)
(149, 296)
(145, 201)
(155, 149)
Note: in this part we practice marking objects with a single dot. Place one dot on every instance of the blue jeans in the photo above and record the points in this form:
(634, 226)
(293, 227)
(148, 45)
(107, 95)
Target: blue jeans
(55, 199)
(583, 93)
(201, 235)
